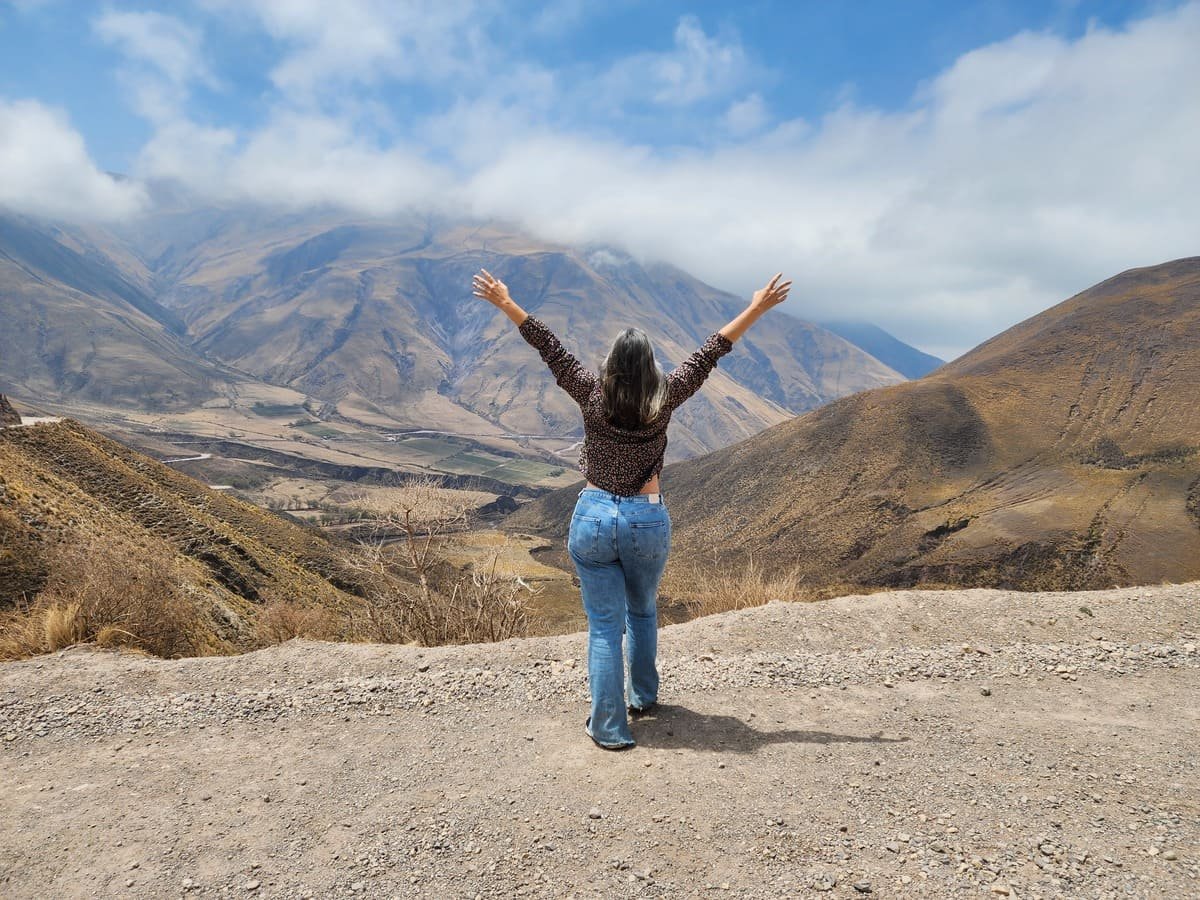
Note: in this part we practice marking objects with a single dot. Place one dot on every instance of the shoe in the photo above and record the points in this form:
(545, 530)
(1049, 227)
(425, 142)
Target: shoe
(643, 710)
(587, 727)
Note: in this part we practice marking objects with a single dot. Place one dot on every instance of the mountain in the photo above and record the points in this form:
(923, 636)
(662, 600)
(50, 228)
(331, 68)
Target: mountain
(889, 350)
(81, 322)
(373, 322)
(1062, 453)
(376, 319)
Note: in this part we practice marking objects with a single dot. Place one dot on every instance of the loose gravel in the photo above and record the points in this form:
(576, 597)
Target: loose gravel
(916, 743)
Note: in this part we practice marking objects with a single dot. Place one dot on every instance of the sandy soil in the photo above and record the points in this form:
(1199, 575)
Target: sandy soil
(933, 744)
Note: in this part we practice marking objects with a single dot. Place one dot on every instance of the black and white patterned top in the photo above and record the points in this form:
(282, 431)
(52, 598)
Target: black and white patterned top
(621, 460)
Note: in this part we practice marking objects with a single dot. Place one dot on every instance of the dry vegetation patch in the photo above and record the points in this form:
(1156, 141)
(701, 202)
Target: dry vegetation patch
(104, 589)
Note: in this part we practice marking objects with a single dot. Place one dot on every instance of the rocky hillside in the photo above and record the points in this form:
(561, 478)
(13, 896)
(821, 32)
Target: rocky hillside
(1062, 453)
(915, 744)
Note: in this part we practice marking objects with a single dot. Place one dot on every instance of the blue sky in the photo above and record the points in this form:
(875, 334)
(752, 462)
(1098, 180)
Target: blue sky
(943, 169)
(813, 54)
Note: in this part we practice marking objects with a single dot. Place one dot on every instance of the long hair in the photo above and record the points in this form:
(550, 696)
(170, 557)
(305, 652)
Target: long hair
(633, 386)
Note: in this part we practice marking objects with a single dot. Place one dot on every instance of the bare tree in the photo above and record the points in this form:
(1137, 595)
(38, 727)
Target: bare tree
(410, 531)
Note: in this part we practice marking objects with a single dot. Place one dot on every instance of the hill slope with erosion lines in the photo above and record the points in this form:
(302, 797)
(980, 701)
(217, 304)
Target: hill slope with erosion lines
(80, 322)
(1063, 453)
(65, 483)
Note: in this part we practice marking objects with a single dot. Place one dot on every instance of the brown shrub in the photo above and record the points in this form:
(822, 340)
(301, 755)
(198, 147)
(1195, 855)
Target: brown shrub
(446, 606)
(281, 620)
(105, 590)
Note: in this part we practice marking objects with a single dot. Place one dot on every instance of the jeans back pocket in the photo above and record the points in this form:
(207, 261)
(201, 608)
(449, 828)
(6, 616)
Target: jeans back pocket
(650, 538)
(583, 539)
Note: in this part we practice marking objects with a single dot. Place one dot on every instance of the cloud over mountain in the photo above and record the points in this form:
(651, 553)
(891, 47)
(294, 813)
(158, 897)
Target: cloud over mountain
(1020, 172)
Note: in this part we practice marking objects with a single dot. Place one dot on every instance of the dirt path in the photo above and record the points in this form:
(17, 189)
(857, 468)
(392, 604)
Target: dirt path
(939, 744)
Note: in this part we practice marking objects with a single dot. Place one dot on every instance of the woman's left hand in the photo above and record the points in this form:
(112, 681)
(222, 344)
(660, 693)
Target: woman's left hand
(491, 289)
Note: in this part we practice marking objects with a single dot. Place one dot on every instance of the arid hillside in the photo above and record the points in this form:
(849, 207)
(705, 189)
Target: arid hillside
(1062, 453)
(87, 520)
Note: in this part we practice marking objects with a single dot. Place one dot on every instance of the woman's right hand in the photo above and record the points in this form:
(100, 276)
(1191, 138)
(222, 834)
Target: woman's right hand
(772, 295)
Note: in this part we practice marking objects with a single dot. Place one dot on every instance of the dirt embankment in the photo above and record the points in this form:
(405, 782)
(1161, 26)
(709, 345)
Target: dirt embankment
(935, 744)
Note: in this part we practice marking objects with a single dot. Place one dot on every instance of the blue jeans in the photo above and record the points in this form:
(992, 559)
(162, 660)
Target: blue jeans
(619, 545)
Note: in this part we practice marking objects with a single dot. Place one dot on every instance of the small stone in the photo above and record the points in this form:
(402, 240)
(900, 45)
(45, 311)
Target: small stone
(594, 812)
(863, 887)
(999, 888)
(1170, 854)
(357, 887)
(987, 692)
(251, 885)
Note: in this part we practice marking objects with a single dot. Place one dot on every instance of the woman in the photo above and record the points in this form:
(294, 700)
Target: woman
(621, 531)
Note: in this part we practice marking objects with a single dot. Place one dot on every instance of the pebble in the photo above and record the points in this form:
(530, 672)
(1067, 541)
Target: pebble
(594, 812)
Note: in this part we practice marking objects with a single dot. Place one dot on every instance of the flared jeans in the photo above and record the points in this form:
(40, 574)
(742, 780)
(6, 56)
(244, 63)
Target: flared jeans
(619, 545)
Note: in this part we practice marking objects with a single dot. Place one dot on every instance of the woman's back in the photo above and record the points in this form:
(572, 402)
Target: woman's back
(617, 459)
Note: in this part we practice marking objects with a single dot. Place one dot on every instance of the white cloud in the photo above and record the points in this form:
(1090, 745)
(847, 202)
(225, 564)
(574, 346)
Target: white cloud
(47, 171)
(699, 67)
(747, 115)
(329, 45)
(1027, 171)
(297, 160)
(163, 42)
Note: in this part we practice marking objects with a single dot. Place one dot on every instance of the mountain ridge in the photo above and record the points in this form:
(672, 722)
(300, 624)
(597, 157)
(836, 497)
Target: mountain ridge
(372, 322)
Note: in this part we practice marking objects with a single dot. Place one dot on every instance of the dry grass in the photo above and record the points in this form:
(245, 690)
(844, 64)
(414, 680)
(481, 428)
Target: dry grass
(704, 593)
(105, 590)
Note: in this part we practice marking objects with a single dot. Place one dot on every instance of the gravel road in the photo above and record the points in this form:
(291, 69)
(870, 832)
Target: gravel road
(968, 743)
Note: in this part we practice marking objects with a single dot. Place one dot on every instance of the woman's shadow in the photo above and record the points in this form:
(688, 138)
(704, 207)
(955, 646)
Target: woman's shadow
(674, 727)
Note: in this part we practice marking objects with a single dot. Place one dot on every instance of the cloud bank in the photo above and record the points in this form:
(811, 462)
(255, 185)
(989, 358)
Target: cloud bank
(1025, 171)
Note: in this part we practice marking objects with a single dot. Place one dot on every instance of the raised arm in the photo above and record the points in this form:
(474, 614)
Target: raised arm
(762, 300)
(568, 373)
(686, 378)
